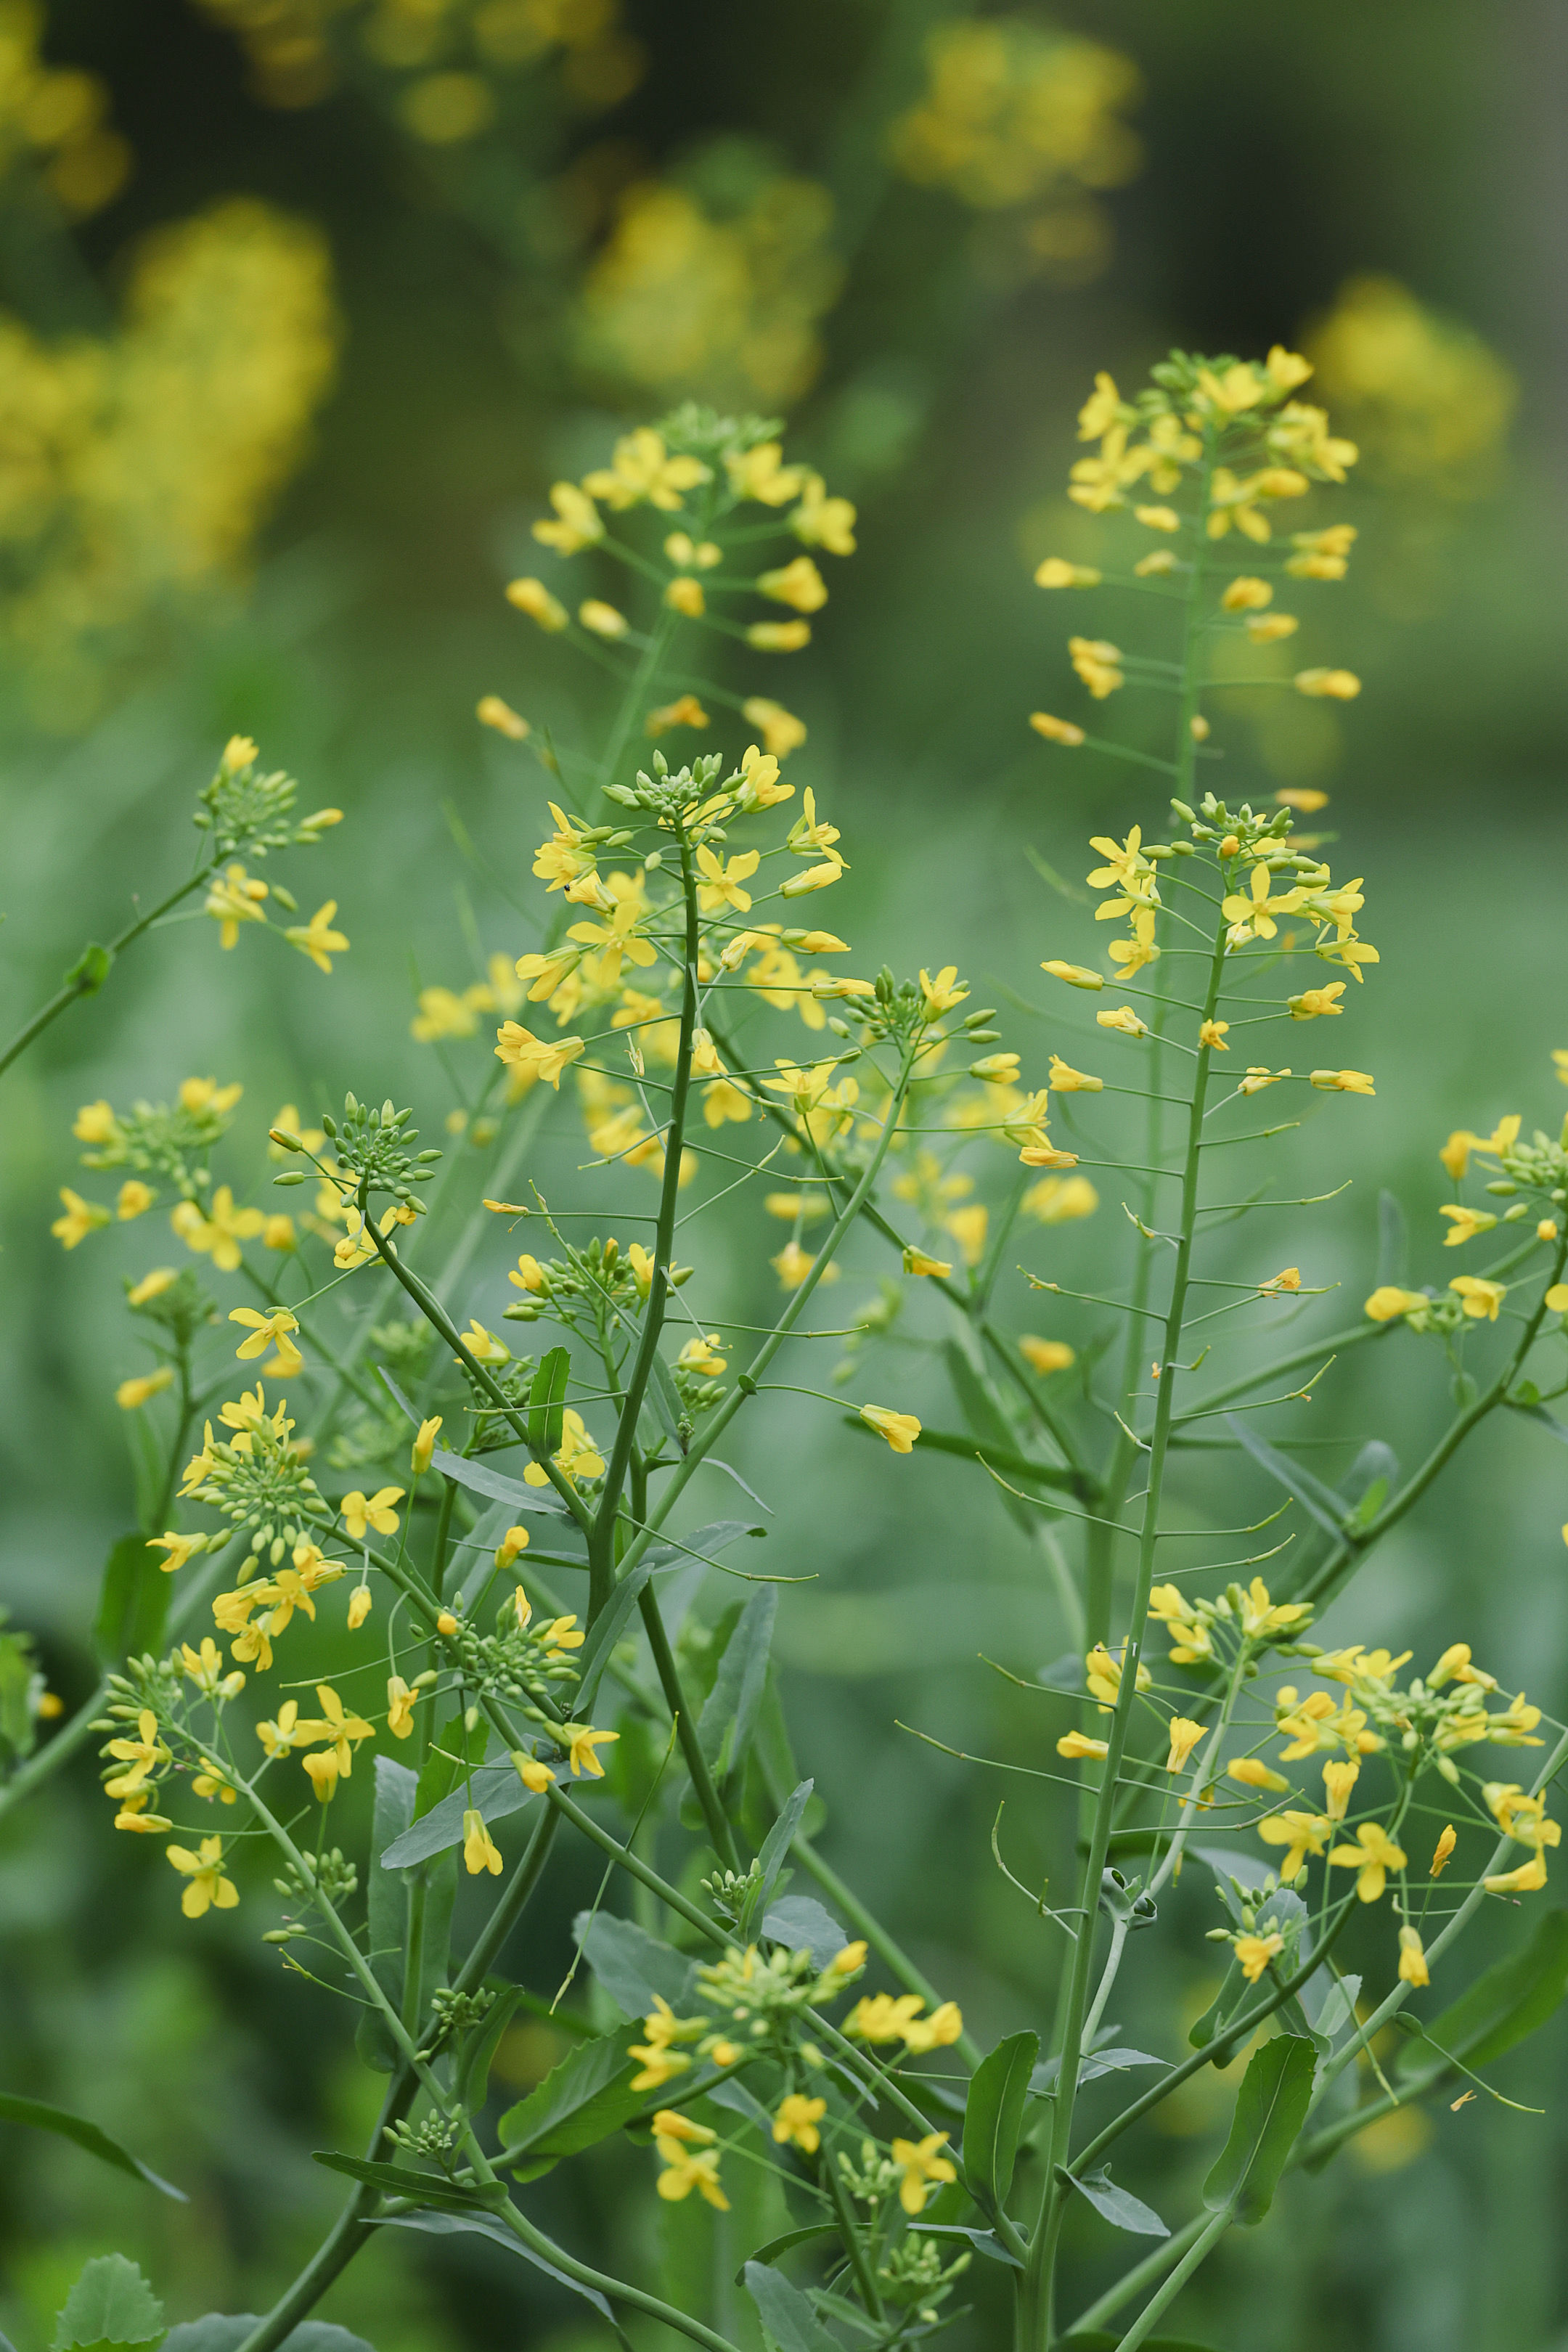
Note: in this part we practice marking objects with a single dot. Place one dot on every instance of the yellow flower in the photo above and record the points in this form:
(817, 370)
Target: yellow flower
(1057, 573)
(1255, 1952)
(1314, 1003)
(141, 1756)
(424, 1445)
(342, 1731)
(1444, 1851)
(796, 2121)
(922, 2167)
(1190, 1640)
(317, 938)
(1339, 1780)
(1251, 913)
(1287, 1278)
(180, 1549)
(968, 1226)
(582, 1742)
(132, 1393)
(1246, 596)
(1258, 1077)
(359, 1608)
(1124, 1019)
(532, 1772)
(1343, 1082)
(702, 1355)
(943, 992)
(577, 523)
(1261, 1617)
(278, 1233)
(220, 1230)
(1047, 1356)
(799, 584)
(1479, 1297)
(1253, 1773)
(540, 1057)
(205, 1887)
(491, 711)
(1412, 1958)
(1300, 1834)
(721, 883)
(532, 597)
(266, 1330)
(1077, 975)
(900, 1429)
(234, 898)
(150, 1286)
(95, 1123)
(1097, 664)
(1466, 1223)
(916, 1261)
(1056, 730)
(1060, 1200)
(1373, 1855)
(1337, 684)
(481, 1851)
(687, 2167)
(640, 468)
(1528, 1879)
(685, 596)
(362, 1511)
(1184, 1736)
(782, 731)
(1066, 1080)
(1388, 1301)
(133, 1200)
(81, 1218)
(779, 636)
(822, 521)
(400, 1702)
(1075, 1744)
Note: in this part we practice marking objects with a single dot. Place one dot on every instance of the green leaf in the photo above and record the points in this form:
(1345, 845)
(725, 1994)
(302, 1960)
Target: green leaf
(222, 2331)
(387, 1905)
(801, 1922)
(90, 969)
(1119, 2206)
(790, 2238)
(994, 2115)
(666, 1400)
(584, 2099)
(786, 2313)
(1513, 1999)
(547, 1401)
(630, 1964)
(395, 2180)
(133, 1603)
(607, 1629)
(1100, 2339)
(495, 1790)
(1270, 2108)
(474, 2072)
(16, 2110)
(1319, 1502)
(729, 1715)
(1233, 1985)
(110, 2304)
(18, 1727)
(488, 2225)
(481, 1479)
(774, 1850)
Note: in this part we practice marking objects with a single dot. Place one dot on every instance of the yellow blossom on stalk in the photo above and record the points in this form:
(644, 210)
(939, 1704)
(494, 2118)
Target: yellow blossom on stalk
(1184, 1736)
(641, 467)
(1372, 1855)
(1098, 665)
(1444, 1851)
(140, 1757)
(900, 1429)
(205, 1887)
(582, 1743)
(579, 1457)
(81, 1218)
(151, 1285)
(577, 523)
(1313, 1003)
(1125, 1019)
(916, 1261)
(1258, 1077)
(779, 636)
(400, 1703)
(234, 898)
(1479, 1298)
(1066, 1080)
(1413, 1967)
(1343, 1082)
(1103, 1675)
(95, 1122)
(1060, 1200)
(1251, 913)
(968, 1226)
(133, 1200)
(132, 1393)
(358, 1607)
(1289, 1278)
(491, 711)
(1336, 685)
(180, 1549)
(923, 2167)
(1300, 1834)
(1057, 573)
(796, 2120)
(1388, 1302)
(1465, 1222)
(1047, 1356)
(1190, 1640)
(540, 1057)
(274, 1328)
(702, 1355)
(220, 1230)
(941, 994)
(1076, 1744)
(782, 731)
(317, 938)
(824, 521)
(1056, 730)
(1157, 518)
(1255, 1952)
(1246, 595)
(481, 1851)
(1262, 1618)
(688, 2163)
(1251, 1772)
(1528, 1879)
(362, 1511)
(425, 1445)
(1339, 1780)
(532, 597)
(685, 596)
(1077, 975)
(533, 1774)
(278, 1233)
(799, 584)
(721, 881)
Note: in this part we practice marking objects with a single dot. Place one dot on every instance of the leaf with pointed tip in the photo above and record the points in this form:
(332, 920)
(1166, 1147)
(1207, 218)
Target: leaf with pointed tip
(1318, 1501)
(392, 2179)
(387, 1903)
(801, 1922)
(993, 2115)
(1119, 2206)
(581, 2101)
(725, 1726)
(59, 2120)
(481, 1480)
(547, 1401)
(985, 2242)
(1270, 2108)
(632, 1965)
(494, 1790)
(782, 2245)
(775, 1846)
(485, 2225)
(786, 2313)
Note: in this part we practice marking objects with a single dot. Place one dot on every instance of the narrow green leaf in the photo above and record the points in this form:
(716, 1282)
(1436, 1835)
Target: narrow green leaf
(1119, 2206)
(791, 2238)
(110, 2304)
(775, 1846)
(481, 1479)
(786, 2313)
(584, 2099)
(667, 1405)
(495, 1790)
(386, 1899)
(994, 2115)
(489, 2225)
(59, 2120)
(395, 2180)
(474, 2070)
(731, 1713)
(133, 1603)
(1513, 1998)
(547, 1401)
(1270, 2108)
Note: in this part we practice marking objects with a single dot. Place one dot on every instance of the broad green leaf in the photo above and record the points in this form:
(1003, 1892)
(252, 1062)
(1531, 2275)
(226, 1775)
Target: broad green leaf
(59, 2120)
(473, 2070)
(227, 2331)
(481, 1479)
(133, 1603)
(1119, 2206)
(488, 2225)
(1512, 1999)
(1270, 2108)
(731, 1712)
(547, 1401)
(786, 2313)
(630, 1964)
(584, 2099)
(775, 1846)
(790, 2238)
(609, 1628)
(495, 1790)
(110, 2304)
(801, 1922)
(993, 2114)
(387, 1905)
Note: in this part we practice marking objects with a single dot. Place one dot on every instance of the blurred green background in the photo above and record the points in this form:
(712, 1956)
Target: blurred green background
(303, 304)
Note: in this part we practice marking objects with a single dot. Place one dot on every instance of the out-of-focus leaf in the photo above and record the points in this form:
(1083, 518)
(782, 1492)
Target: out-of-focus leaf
(1270, 2108)
(729, 1715)
(993, 2114)
(774, 1850)
(1319, 1502)
(786, 2313)
(133, 1603)
(473, 2072)
(223, 2331)
(630, 1964)
(790, 2238)
(386, 1899)
(584, 2099)
(110, 2305)
(1393, 1242)
(1092, 2066)
(485, 2225)
(1514, 1998)
(801, 1922)
(1119, 2206)
(494, 1789)
(59, 2120)
(606, 1629)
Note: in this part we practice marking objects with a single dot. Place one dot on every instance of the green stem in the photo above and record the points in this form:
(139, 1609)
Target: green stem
(1215, 2227)
(82, 984)
(707, 1795)
(521, 2227)
(1140, 2275)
